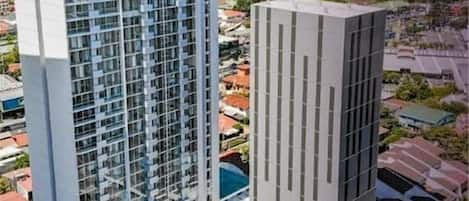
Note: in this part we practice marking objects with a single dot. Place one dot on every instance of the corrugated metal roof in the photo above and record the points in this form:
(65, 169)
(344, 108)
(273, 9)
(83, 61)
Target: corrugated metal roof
(424, 114)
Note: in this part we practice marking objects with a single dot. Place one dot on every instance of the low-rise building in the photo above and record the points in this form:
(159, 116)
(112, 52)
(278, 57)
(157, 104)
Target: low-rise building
(11, 147)
(225, 126)
(12, 196)
(235, 106)
(21, 181)
(421, 117)
(11, 95)
(238, 82)
(462, 124)
(14, 68)
(419, 161)
(392, 186)
(231, 16)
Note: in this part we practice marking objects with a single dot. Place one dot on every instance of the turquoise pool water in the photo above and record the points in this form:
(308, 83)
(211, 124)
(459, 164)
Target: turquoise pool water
(232, 179)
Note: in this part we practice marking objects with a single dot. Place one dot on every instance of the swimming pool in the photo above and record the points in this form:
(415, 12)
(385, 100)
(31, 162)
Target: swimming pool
(232, 179)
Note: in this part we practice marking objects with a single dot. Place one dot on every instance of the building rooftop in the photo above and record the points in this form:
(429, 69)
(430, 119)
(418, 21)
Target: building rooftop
(424, 114)
(11, 196)
(324, 8)
(10, 88)
(237, 101)
(225, 123)
(14, 67)
(431, 62)
(419, 160)
(22, 177)
(21, 139)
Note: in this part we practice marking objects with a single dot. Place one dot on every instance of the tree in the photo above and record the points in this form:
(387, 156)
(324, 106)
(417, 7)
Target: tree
(22, 161)
(413, 88)
(456, 147)
(242, 5)
(238, 127)
(4, 185)
(445, 90)
(391, 77)
(244, 151)
(454, 107)
(245, 120)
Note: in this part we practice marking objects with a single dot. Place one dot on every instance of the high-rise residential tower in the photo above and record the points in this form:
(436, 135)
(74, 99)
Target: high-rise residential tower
(121, 98)
(316, 100)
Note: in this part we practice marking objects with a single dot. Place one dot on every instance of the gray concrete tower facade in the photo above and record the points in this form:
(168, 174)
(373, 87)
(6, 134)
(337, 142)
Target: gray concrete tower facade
(315, 102)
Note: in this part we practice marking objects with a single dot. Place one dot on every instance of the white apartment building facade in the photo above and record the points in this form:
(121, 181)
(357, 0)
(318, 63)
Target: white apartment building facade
(315, 100)
(122, 98)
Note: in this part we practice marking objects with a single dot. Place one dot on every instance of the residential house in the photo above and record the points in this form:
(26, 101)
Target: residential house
(235, 106)
(12, 196)
(225, 126)
(231, 16)
(419, 161)
(21, 181)
(392, 186)
(238, 82)
(421, 117)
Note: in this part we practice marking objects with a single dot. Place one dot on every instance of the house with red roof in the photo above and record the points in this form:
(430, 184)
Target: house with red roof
(21, 181)
(232, 16)
(238, 82)
(419, 161)
(225, 126)
(235, 106)
(12, 196)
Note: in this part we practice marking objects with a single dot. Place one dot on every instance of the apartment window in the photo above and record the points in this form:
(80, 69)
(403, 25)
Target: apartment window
(79, 26)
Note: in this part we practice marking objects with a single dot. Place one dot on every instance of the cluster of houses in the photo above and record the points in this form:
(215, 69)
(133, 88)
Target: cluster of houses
(413, 169)
(234, 103)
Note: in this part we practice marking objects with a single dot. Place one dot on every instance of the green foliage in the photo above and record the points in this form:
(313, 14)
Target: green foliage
(242, 5)
(455, 107)
(22, 161)
(413, 88)
(391, 77)
(238, 127)
(244, 151)
(456, 147)
(10, 38)
(245, 120)
(445, 90)
(396, 134)
(4, 185)
(234, 141)
(389, 123)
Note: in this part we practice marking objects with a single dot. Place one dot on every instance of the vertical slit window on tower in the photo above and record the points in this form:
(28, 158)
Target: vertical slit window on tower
(279, 109)
(292, 87)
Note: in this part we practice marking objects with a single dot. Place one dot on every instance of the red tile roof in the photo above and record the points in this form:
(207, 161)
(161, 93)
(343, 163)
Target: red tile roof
(237, 101)
(225, 123)
(23, 176)
(14, 67)
(238, 80)
(7, 142)
(234, 13)
(418, 160)
(243, 66)
(21, 140)
(11, 196)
